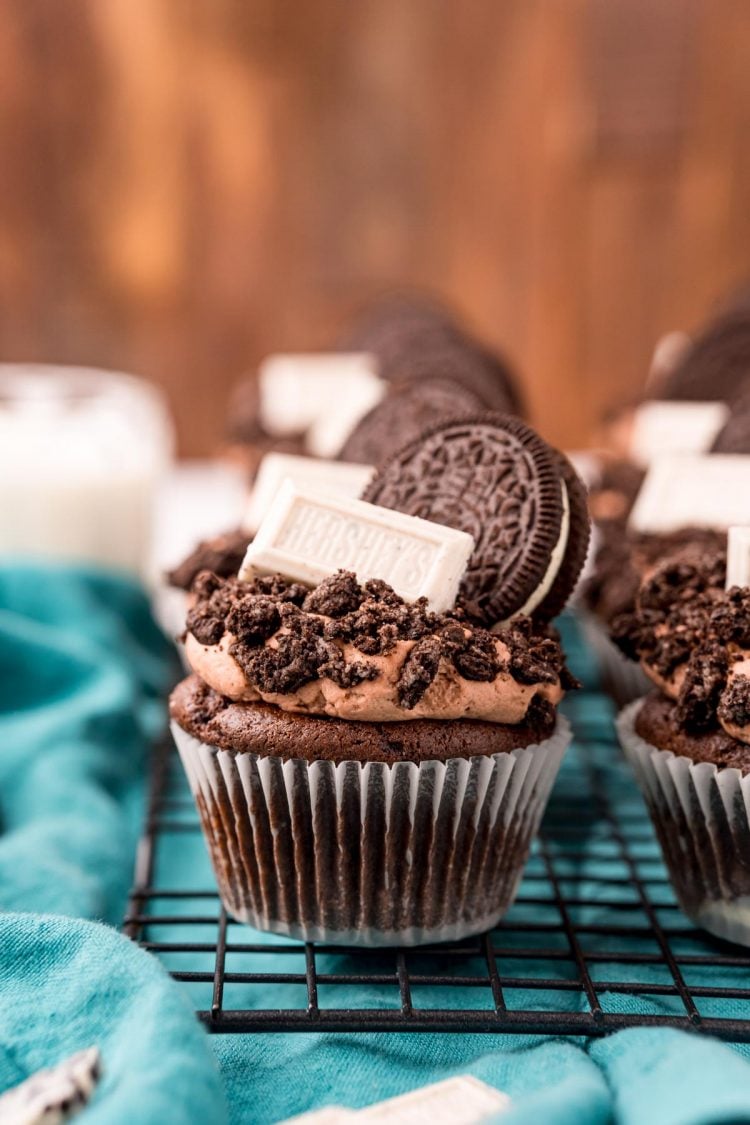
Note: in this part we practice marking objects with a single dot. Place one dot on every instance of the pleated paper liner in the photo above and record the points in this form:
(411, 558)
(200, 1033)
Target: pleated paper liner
(370, 854)
(702, 818)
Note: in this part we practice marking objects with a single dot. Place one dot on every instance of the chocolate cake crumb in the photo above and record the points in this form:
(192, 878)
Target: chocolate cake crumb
(254, 619)
(277, 587)
(533, 658)
(474, 657)
(730, 620)
(418, 671)
(702, 687)
(335, 596)
(734, 707)
(205, 620)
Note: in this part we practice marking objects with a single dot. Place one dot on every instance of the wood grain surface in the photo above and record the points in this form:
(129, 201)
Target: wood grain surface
(186, 185)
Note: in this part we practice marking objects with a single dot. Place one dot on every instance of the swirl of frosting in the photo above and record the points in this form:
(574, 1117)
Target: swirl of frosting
(692, 637)
(361, 652)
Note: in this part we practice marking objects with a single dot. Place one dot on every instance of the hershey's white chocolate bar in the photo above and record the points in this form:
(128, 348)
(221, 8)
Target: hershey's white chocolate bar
(683, 490)
(308, 536)
(53, 1095)
(738, 556)
(339, 478)
(462, 1100)
(329, 1115)
(299, 391)
(349, 401)
(660, 428)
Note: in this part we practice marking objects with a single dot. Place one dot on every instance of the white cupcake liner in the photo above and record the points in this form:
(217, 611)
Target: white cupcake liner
(702, 818)
(623, 679)
(370, 853)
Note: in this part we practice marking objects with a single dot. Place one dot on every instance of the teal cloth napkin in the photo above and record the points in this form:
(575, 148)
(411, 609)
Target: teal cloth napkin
(67, 984)
(81, 669)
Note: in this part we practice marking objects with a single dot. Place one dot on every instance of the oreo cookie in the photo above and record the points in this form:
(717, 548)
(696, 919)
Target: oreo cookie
(465, 362)
(716, 366)
(398, 323)
(415, 339)
(521, 500)
(405, 413)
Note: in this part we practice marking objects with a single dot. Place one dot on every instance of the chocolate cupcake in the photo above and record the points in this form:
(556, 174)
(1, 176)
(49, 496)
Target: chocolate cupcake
(366, 769)
(623, 560)
(689, 741)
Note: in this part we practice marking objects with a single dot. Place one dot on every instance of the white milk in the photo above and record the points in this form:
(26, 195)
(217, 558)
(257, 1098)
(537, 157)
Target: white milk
(81, 454)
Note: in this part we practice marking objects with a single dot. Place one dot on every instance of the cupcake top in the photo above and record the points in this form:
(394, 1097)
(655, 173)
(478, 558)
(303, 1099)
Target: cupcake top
(625, 558)
(223, 555)
(361, 652)
(692, 637)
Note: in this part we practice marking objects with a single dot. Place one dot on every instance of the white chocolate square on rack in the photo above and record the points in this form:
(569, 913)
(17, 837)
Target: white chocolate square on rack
(683, 490)
(339, 478)
(322, 395)
(661, 428)
(308, 536)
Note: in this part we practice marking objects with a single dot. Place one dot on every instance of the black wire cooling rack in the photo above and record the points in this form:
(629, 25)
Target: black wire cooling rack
(594, 943)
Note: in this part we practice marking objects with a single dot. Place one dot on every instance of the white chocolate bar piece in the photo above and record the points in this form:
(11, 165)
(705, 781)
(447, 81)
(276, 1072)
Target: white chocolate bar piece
(675, 427)
(54, 1095)
(307, 536)
(738, 556)
(462, 1100)
(339, 478)
(328, 392)
(683, 490)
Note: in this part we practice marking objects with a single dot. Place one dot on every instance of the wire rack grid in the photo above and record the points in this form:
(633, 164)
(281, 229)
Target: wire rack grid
(594, 942)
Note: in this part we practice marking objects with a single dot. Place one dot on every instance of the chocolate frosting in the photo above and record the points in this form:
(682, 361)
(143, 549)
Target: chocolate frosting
(276, 637)
(693, 639)
(625, 558)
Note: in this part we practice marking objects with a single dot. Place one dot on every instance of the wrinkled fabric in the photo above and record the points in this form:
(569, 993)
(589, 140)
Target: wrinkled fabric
(82, 669)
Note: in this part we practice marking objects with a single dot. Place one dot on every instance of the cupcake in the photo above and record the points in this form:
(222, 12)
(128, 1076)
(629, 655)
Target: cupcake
(623, 559)
(689, 740)
(369, 769)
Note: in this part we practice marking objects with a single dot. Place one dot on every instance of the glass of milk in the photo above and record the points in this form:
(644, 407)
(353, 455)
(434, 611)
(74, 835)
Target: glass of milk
(81, 454)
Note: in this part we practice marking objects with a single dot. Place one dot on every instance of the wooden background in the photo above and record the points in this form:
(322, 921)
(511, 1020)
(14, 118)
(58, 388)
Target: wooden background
(188, 184)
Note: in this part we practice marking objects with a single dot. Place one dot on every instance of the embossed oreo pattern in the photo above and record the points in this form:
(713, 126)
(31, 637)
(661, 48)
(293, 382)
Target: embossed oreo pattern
(496, 479)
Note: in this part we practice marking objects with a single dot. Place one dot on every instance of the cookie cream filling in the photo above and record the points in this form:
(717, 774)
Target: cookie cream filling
(555, 561)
